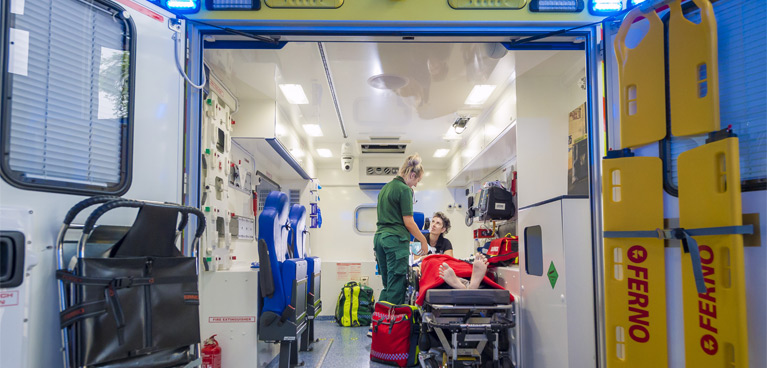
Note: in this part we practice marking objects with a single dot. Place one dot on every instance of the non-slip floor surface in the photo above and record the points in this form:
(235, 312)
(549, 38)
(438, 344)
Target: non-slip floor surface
(349, 348)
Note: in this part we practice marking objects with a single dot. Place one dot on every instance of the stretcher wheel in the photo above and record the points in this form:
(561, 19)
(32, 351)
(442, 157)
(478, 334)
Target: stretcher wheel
(431, 363)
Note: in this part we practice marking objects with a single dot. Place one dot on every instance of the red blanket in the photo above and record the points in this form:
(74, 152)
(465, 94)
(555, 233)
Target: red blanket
(430, 274)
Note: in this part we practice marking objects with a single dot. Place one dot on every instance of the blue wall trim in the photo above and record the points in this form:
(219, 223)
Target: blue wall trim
(371, 186)
(554, 200)
(545, 46)
(283, 152)
(244, 45)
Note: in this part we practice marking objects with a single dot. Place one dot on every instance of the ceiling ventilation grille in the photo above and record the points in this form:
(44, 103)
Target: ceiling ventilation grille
(383, 147)
(381, 170)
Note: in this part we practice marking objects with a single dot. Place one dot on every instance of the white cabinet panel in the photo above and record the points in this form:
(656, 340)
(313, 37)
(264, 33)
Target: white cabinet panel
(557, 308)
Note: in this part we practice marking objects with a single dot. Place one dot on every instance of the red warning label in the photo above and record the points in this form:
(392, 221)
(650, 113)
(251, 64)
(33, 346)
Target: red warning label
(233, 319)
(9, 298)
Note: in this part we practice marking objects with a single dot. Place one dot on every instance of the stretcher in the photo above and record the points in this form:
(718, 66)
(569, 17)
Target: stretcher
(693, 71)
(472, 328)
(635, 279)
(642, 82)
(715, 326)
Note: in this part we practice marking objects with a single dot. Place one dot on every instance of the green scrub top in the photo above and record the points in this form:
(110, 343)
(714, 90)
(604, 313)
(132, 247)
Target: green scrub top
(394, 201)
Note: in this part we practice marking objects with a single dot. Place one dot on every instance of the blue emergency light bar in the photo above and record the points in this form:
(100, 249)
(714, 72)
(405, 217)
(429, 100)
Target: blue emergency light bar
(605, 7)
(182, 6)
(556, 6)
(233, 4)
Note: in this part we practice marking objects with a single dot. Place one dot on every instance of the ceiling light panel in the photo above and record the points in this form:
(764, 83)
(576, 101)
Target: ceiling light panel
(479, 94)
(313, 130)
(324, 152)
(442, 152)
(294, 93)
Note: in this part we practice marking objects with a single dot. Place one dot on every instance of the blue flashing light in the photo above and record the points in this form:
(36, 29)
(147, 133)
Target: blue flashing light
(572, 6)
(636, 2)
(182, 6)
(605, 7)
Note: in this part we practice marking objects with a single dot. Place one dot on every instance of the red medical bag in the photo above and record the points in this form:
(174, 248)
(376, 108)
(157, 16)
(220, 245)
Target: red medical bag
(503, 249)
(395, 334)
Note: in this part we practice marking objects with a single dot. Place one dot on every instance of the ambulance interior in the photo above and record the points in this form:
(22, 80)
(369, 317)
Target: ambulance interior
(281, 143)
(329, 123)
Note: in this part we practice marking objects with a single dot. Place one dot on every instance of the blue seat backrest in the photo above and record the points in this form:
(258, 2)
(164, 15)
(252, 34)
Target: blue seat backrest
(272, 229)
(419, 219)
(297, 237)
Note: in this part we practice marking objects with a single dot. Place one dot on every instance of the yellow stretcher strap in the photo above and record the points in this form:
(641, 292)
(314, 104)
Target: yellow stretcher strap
(715, 325)
(693, 71)
(642, 82)
(635, 281)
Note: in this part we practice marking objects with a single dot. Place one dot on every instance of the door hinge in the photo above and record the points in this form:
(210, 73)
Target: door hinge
(185, 186)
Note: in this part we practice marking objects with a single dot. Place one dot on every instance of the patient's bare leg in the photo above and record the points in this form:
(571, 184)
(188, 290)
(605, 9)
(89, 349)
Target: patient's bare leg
(447, 274)
(478, 271)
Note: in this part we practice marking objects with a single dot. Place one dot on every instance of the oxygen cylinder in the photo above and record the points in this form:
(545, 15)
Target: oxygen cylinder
(211, 353)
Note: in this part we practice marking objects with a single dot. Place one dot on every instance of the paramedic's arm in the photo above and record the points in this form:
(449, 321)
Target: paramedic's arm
(413, 229)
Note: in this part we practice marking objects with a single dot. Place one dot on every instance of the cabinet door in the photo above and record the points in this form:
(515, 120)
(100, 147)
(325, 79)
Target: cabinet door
(542, 322)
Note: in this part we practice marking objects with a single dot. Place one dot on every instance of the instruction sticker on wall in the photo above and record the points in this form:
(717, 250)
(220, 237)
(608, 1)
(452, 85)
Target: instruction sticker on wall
(18, 51)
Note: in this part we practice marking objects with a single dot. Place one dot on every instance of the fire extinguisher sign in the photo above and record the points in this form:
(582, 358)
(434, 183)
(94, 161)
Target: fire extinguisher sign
(232, 319)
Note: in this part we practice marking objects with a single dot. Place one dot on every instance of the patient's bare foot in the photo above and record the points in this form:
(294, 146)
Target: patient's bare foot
(478, 270)
(447, 274)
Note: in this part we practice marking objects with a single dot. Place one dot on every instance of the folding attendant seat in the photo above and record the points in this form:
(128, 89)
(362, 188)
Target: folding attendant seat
(127, 295)
(297, 244)
(282, 281)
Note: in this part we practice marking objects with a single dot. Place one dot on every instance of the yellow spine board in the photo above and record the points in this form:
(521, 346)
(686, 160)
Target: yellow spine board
(642, 83)
(693, 71)
(635, 281)
(709, 196)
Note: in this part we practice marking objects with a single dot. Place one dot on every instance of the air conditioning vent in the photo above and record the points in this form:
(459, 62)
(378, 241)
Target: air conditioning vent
(381, 170)
(383, 148)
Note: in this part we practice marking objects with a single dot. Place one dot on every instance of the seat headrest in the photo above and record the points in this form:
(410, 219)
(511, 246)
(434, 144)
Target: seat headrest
(297, 218)
(272, 224)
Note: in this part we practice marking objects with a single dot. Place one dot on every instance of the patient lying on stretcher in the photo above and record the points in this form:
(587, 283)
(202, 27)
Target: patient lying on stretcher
(439, 270)
(478, 270)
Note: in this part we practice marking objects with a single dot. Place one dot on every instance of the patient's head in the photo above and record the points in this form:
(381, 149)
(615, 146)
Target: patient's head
(440, 224)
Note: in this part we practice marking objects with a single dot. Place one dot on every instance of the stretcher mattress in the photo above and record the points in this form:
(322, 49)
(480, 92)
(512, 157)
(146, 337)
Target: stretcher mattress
(467, 297)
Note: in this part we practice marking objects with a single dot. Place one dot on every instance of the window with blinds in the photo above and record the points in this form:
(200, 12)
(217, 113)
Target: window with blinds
(265, 187)
(742, 90)
(67, 97)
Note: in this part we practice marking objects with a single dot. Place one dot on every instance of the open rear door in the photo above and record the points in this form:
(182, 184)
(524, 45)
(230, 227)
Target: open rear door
(67, 134)
(686, 122)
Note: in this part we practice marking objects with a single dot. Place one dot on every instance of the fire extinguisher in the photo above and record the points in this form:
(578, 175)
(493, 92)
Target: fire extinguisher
(211, 353)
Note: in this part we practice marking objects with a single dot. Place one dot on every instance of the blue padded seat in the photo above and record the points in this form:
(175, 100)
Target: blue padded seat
(283, 281)
(298, 246)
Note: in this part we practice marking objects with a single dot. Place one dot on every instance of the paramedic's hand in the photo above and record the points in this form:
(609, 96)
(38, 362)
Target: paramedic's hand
(424, 249)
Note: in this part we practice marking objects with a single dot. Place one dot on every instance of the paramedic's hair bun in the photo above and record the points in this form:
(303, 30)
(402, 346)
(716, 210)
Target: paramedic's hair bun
(412, 165)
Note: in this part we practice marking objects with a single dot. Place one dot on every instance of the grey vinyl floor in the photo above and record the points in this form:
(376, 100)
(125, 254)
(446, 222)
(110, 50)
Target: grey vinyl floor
(342, 347)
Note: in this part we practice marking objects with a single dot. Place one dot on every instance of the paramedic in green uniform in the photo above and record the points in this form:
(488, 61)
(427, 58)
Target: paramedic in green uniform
(395, 224)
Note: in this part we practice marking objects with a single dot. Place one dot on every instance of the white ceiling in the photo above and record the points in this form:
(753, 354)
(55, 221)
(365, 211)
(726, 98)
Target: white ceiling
(439, 78)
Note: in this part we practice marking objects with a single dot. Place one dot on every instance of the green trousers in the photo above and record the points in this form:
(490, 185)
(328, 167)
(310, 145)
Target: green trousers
(392, 254)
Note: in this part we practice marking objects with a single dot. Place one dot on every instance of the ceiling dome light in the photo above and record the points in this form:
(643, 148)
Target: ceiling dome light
(387, 81)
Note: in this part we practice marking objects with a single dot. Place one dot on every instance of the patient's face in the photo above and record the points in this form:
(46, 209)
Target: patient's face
(437, 227)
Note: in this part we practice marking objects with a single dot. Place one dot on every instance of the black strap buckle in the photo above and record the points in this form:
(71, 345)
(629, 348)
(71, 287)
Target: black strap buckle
(121, 282)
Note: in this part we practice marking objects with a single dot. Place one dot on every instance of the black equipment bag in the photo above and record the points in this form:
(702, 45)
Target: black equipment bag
(133, 310)
(496, 204)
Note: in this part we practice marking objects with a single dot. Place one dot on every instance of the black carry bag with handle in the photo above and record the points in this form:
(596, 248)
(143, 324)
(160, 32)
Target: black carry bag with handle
(139, 307)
